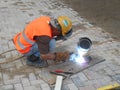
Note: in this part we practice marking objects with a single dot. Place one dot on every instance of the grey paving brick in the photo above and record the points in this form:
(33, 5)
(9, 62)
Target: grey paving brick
(5, 48)
(7, 87)
(87, 88)
(32, 88)
(37, 82)
(1, 78)
(18, 87)
(2, 60)
(72, 87)
(32, 77)
(6, 76)
(91, 74)
(18, 64)
(103, 82)
(109, 71)
(24, 61)
(67, 81)
(8, 56)
(7, 66)
(107, 79)
(11, 81)
(19, 76)
(14, 53)
(117, 71)
(97, 85)
(116, 77)
(91, 82)
(82, 77)
(113, 66)
(78, 82)
(25, 82)
(11, 45)
(65, 87)
(45, 87)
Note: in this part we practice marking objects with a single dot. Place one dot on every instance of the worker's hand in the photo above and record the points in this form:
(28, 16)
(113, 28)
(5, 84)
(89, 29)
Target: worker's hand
(62, 56)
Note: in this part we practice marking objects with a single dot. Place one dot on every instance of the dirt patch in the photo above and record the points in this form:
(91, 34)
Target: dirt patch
(102, 13)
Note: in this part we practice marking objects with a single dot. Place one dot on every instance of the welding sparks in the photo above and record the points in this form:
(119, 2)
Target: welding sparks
(79, 56)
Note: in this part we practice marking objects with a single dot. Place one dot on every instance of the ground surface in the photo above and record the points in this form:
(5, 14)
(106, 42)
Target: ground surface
(15, 14)
(103, 13)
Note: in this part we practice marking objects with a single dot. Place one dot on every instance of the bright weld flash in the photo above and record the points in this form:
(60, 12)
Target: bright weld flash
(79, 56)
(83, 47)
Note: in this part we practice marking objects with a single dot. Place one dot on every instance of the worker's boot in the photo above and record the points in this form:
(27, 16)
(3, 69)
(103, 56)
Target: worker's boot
(36, 61)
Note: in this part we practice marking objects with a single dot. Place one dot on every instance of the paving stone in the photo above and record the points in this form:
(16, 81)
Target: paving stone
(25, 82)
(82, 77)
(92, 75)
(107, 79)
(109, 71)
(92, 82)
(45, 87)
(117, 71)
(103, 82)
(5, 77)
(116, 77)
(97, 85)
(87, 88)
(8, 56)
(65, 87)
(32, 77)
(19, 76)
(12, 81)
(78, 82)
(18, 64)
(18, 87)
(113, 66)
(5, 48)
(7, 66)
(37, 82)
(11, 45)
(67, 81)
(72, 87)
(24, 61)
(32, 88)
(1, 78)
(7, 87)
(2, 60)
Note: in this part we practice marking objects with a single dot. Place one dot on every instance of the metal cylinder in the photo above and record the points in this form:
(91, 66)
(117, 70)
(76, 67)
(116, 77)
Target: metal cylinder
(84, 44)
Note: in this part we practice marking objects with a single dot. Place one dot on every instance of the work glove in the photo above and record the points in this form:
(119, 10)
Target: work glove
(61, 56)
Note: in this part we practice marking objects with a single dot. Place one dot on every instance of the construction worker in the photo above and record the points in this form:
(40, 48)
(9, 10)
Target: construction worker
(38, 40)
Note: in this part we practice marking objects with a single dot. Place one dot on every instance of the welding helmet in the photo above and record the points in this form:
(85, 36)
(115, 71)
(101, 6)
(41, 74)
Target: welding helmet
(63, 24)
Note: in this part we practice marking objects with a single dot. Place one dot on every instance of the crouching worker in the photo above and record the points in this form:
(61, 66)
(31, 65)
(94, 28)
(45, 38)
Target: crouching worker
(39, 37)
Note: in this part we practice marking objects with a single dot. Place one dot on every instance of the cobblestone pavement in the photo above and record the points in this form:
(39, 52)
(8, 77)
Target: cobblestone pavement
(15, 14)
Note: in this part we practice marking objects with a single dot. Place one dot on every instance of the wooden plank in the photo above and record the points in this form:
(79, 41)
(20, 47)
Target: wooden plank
(58, 84)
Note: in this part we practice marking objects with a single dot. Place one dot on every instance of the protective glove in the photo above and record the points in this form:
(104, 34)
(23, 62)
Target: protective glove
(61, 56)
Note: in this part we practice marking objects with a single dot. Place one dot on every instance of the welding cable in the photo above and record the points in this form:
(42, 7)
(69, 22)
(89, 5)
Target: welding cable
(7, 51)
(11, 60)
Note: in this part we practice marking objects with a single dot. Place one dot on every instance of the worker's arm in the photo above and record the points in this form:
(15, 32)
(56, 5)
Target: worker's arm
(49, 56)
(57, 56)
(43, 46)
